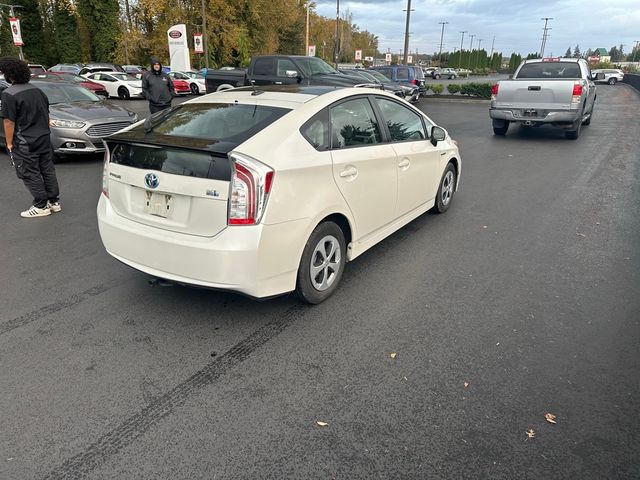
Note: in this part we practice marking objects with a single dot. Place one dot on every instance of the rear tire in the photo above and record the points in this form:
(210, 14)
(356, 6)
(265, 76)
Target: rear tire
(322, 263)
(500, 127)
(446, 189)
(437, 77)
(612, 81)
(123, 93)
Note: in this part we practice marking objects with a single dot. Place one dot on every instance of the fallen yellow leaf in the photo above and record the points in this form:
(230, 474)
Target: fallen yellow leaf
(466, 384)
(531, 433)
(322, 424)
(550, 417)
(393, 354)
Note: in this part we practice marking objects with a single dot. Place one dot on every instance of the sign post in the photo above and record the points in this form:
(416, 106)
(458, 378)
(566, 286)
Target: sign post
(178, 50)
(198, 47)
(312, 51)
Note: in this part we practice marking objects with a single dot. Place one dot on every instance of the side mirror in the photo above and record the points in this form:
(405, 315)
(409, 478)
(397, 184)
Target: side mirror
(291, 73)
(437, 135)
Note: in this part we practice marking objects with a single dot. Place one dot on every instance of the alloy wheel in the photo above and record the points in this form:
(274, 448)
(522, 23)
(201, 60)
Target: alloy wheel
(325, 263)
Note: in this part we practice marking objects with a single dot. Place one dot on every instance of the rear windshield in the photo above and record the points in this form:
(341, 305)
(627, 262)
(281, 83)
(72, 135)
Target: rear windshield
(170, 160)
(218, 121)
(550, 70)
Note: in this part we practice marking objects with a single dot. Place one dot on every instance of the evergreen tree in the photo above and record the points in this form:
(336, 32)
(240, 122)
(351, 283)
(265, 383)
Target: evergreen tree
(66, 32)
(32, 29)
(567, 54)
(576, 52)
(100, 17)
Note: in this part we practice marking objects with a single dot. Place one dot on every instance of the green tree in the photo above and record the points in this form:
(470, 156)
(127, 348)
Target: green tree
(101, 19)
(67, 38)
(576, 52)
(567, 54)
(32, 31)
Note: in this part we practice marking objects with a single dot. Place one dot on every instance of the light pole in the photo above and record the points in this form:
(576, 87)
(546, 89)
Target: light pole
(441, 37)
(12, 13)
(204, 36)
(406, 34)
(337, 45)
(544, 35)
(470, 49)
(461, 40)
(478, 55)
(635, 50)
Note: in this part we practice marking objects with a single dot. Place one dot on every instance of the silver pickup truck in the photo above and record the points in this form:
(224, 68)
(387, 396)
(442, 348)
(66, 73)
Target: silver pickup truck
(556, 91)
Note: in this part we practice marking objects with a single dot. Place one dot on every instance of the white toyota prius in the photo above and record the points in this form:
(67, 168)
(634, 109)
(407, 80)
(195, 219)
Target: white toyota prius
(268, 191)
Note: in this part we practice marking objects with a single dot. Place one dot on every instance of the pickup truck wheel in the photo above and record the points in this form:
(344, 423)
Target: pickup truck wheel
(588, 120)
(575, 133)
(612, 81)
(500, 127)
(446, 189)
(322, 263)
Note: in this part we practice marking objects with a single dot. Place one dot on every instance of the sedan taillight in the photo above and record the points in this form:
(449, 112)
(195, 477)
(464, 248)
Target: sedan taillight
(251, 183)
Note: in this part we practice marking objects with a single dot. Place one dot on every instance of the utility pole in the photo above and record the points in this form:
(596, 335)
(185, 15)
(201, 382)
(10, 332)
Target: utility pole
(306, 39)
(441, 37)
(336, 50)
(470, 49)
(461, 40)
(635, 51)
(12, 13)
(204, 35)
(492, 44)
(544, 35)
(478, 55)
(406, 34)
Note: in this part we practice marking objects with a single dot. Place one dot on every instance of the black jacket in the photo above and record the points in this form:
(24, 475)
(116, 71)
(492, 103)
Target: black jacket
(157, 87)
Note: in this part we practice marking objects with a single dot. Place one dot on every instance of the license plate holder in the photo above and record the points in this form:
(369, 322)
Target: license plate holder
(530, 113)
(158, 204)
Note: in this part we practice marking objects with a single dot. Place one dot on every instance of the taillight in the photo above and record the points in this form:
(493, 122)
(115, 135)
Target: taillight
(251, 183)
(577, 92)
(105, 172)
(494, 91)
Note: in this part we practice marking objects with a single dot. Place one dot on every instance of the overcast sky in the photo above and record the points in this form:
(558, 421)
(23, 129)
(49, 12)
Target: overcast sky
(516, 24)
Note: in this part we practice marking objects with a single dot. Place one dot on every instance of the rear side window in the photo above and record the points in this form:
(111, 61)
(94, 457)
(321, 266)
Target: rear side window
(218, 121)
(403, 74)
(316, 130)
(264, 66)
(550, 70)
(353, 123)
(387, 73)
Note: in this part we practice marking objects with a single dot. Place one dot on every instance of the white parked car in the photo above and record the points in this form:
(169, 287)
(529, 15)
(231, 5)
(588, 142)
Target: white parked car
(269, 191)
(194, 79)
(611, 76)
(118, 84)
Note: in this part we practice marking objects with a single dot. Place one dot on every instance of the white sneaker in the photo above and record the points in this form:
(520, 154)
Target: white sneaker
(54, 206)
(34, 211)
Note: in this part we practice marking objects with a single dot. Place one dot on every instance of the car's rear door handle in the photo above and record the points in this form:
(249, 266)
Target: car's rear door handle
(349, 172)
(277, 83)
(404, 164)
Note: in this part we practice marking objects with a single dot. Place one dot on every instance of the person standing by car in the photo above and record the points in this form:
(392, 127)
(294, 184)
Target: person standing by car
(157, 87)
(25, 112)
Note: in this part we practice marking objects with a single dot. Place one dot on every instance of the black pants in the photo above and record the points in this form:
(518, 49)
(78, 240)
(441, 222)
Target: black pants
(153, 108)
(37, 172)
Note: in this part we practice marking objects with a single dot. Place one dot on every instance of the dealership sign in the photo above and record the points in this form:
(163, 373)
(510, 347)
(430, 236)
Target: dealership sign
(15, 31)
(198, 46)
(312, 51)
(178, 50)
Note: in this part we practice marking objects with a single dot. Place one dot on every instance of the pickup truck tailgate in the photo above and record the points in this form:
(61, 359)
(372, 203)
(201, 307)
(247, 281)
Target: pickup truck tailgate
(535, 93)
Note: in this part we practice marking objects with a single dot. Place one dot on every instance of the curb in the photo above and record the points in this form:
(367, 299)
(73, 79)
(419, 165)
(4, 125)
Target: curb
(455, 98)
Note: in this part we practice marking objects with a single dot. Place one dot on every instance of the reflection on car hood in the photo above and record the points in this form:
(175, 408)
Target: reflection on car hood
(87, 111)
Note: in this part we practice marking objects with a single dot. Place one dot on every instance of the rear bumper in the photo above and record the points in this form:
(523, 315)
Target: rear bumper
(259, 261)
(551, 116)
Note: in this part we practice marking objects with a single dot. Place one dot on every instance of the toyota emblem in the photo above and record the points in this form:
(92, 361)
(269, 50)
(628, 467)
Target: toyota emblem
(151, 180)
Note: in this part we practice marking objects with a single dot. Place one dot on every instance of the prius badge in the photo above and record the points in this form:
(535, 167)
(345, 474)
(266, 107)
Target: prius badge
(151, 180)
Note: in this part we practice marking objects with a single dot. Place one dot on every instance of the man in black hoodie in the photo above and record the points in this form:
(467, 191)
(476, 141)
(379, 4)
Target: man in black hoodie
(157, 87)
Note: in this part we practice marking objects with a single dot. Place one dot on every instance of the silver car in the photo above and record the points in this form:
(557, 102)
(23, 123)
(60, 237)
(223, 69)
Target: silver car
(611, 75)
(79, 120)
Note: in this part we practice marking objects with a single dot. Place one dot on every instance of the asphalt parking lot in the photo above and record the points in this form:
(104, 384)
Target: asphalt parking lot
(521, 300)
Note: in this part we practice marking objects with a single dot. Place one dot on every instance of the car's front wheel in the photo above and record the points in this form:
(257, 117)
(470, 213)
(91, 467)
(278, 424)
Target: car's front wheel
(322, 263)
(123, 93)
(613, 80)
(194, 89)
(446, 189)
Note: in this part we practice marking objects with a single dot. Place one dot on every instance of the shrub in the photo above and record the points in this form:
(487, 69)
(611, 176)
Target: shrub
(453, 88)
(438, 88)
(482, 90)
